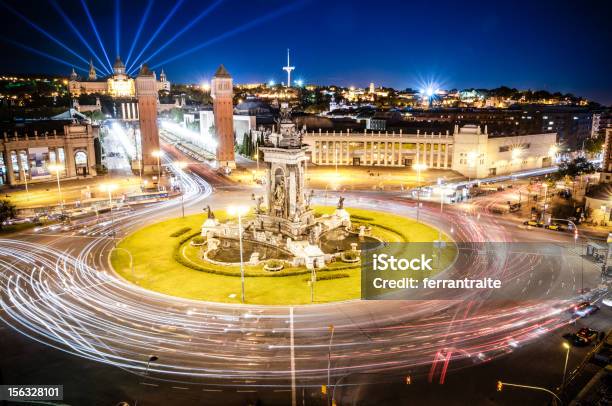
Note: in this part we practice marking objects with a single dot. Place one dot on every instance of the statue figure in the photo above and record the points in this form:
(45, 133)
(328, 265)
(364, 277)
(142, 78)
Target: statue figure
(258, 203)
(211, 215)
(279, 199)
(340, 205)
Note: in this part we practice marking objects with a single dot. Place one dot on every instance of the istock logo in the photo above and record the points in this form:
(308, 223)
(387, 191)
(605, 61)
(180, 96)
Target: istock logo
(386, 262)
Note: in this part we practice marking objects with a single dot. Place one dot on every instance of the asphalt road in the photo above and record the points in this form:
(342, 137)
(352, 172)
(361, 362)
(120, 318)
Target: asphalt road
(68, 318)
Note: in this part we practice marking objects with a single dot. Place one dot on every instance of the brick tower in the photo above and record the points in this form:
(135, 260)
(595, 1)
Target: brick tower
(146, 92)
(222, 93)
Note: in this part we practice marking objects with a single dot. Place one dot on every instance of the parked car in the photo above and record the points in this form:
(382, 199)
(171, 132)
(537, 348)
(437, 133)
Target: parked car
(555, 226)
(533, 223)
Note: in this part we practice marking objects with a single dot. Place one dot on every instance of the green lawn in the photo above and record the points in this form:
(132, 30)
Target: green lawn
(155, 267)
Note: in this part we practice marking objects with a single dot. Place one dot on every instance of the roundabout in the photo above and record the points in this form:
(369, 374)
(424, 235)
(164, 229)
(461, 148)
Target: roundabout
(61, 290)
(165, 260)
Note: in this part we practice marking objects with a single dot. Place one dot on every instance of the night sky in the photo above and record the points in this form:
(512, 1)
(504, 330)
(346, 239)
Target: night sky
(553, 45)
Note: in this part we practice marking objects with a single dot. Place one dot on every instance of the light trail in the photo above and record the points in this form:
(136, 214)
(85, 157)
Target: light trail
(143, 19)
(251, 24)
(68, 21)
(41, 53)
(95, 30)
(186, 28)
(155, 34)
(117, 27)
(42, 31)
(72, 302)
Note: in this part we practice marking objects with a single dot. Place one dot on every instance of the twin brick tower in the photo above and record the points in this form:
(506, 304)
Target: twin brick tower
(222, 93)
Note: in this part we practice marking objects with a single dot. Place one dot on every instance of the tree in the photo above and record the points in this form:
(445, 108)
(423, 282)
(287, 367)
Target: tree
(594, 145)
(579, 166)
(7, 211)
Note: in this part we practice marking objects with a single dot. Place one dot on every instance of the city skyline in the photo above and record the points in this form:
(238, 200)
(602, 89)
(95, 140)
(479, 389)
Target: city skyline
(357, 48)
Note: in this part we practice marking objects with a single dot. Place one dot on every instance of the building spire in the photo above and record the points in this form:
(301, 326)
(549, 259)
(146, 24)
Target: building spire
(288, 69)
(92, 71)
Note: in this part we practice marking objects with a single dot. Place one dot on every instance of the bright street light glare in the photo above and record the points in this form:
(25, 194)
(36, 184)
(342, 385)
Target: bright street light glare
(55, 167)
(238, 210)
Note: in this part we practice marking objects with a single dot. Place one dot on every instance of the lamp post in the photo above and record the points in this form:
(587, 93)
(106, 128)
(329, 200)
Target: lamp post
(567, 348)
(109, 187)
(239, 211)
(331, 338)
(419, 168)
(152, 358)
(57, 168)
(158, 153)
(25, 178)
(500, 386)
(181, 166)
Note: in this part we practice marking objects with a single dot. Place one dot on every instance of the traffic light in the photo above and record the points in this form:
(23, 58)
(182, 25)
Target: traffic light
(324, 389)
(500, 386)
(408, 380)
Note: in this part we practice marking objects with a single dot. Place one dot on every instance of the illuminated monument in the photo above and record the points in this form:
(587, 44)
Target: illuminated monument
(222, 93)
(284, 218)
(119, 84)
(146, 92)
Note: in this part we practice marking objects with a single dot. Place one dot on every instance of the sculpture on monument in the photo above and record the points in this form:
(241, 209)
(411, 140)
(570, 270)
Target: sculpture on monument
(284, 218)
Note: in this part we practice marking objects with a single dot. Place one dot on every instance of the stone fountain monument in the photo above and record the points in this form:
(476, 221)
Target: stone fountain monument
(283, 216)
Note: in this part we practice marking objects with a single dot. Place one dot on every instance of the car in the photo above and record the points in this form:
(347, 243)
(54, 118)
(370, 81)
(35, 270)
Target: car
(533, 223)
(588, 334)
(576, 340)
(583, 309)
(554, 226)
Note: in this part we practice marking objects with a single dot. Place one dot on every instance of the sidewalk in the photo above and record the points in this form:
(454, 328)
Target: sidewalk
(46, 194)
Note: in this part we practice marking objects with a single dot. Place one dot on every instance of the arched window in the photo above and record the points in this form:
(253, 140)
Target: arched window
(80, 158)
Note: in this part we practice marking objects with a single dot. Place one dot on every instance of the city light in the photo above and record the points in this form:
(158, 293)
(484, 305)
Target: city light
(299, 82)
(552, 151)
(55, 168)
(108, 187)
(516, 153)
(237, 210)
(205, 86)
(204, 141)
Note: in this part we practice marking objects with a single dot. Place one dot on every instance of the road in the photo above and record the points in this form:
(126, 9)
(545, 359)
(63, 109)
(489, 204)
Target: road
(61, 303)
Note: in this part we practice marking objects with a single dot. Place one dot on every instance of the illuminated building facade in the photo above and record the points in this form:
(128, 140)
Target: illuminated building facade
(119, 84)
(222, 93)
(469, 150)
(27, 152)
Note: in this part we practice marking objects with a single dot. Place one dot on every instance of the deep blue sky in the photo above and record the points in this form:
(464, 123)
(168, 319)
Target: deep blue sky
(553, 45)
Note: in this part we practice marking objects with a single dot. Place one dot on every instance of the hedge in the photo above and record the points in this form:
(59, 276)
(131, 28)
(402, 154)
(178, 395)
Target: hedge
(180, 231)
(178, 257)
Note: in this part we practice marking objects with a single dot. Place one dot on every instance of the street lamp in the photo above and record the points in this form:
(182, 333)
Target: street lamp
(158, 153)
(109, 187)
(152, 358)
(419, 168)
(57, 168)
(25, 179)
(552, 151)
(567, 347)
(239, 211)
(331, 338)
(181, 166)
